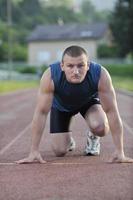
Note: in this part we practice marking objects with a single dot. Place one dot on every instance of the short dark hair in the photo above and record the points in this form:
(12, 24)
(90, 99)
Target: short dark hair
(74, 51)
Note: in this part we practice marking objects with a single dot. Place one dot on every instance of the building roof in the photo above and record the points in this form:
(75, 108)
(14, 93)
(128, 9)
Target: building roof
(68, 31)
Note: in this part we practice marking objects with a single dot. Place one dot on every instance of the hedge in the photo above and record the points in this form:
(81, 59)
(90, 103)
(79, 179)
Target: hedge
(120, 69)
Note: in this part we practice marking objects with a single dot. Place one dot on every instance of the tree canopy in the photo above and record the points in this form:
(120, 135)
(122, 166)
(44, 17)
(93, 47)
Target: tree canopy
(122, 26)
(26, 14)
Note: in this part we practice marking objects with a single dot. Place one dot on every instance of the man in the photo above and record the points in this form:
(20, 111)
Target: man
(73, 86)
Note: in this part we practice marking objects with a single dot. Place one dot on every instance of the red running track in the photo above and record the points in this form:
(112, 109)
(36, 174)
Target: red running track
(73, 177)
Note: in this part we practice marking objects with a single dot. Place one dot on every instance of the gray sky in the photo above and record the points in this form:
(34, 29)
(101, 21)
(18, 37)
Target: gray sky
(100, 4)
(104, 4)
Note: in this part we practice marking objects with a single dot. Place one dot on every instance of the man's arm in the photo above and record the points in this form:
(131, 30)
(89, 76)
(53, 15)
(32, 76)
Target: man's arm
(109, 104)
(44, 101)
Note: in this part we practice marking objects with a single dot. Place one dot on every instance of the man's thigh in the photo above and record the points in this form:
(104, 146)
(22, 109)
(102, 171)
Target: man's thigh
(59, 130)
(59, 121)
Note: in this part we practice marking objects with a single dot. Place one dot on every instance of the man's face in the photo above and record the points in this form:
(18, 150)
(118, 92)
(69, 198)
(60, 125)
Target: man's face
(75, 68)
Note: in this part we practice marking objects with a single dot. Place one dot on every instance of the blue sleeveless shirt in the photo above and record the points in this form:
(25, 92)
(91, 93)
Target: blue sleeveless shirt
(70, 97)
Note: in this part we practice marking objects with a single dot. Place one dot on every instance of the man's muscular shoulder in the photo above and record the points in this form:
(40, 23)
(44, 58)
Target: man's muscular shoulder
(46, 83)
(105, 81)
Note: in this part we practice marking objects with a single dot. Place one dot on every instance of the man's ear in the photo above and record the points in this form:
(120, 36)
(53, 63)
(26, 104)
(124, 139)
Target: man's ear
(88, 63)
(61, 65)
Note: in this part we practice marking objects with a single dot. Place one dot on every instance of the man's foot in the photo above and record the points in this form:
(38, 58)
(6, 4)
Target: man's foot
(93, 145)
(72, 145)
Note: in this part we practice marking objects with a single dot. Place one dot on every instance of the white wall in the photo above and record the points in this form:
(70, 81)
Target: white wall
(47, 52)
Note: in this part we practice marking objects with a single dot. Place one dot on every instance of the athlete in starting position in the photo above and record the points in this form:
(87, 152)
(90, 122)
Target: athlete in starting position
(76, 85)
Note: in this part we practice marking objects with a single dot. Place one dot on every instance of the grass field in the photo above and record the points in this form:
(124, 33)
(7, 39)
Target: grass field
(9, 86)
(124, 83)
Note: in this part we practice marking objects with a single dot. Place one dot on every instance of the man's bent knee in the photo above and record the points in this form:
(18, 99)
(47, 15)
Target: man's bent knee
(100, 130)
(59, 150)
(59, 153)
(60, 143)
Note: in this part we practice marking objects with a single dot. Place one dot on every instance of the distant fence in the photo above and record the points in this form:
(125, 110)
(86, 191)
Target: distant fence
(11, 71)
(12, 75)
(116, 61)
(15, 65)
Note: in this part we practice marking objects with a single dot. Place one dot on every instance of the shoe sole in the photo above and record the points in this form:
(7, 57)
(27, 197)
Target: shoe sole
(92, 154)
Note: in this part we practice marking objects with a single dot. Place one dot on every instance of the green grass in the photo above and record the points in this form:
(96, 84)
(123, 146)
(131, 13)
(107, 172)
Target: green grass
(120, 70)
(9, 86)
(124, 83)
(122, 75)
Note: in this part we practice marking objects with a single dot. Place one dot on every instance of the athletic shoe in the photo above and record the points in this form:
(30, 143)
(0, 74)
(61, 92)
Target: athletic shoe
(72, 145)
(93, 145)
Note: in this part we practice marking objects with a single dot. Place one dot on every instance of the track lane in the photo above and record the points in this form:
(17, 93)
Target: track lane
(73, 177)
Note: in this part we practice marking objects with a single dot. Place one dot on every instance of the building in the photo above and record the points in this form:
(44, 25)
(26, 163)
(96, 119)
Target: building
(46, 43)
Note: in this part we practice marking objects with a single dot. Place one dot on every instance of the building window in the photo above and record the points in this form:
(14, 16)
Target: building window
(86, 34)
(43, 56)
(59, 55)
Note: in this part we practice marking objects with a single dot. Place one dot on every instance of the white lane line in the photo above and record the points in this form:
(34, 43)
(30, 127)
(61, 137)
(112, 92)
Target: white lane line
(49, 163)
(69, 163)
(2, 151)
(7, 163)
(129, 129)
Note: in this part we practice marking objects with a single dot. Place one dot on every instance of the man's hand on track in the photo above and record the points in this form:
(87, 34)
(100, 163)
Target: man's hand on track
(118, 158)
(33, 157)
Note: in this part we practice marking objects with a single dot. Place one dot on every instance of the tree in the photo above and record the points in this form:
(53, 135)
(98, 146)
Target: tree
(58, 3)
(88, 10)
(27, 14)
(52, 15)
(3, 8)
(122, 26)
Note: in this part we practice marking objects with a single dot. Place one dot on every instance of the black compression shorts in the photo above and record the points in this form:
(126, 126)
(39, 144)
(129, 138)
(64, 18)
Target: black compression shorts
(60, 121)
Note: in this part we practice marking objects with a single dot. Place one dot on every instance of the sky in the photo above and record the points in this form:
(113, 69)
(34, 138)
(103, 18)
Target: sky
(104, 4)
(101, 4)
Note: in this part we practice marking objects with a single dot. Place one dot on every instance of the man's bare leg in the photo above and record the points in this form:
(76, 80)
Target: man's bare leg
(97, 120)
(61, 143)
(98, 125)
